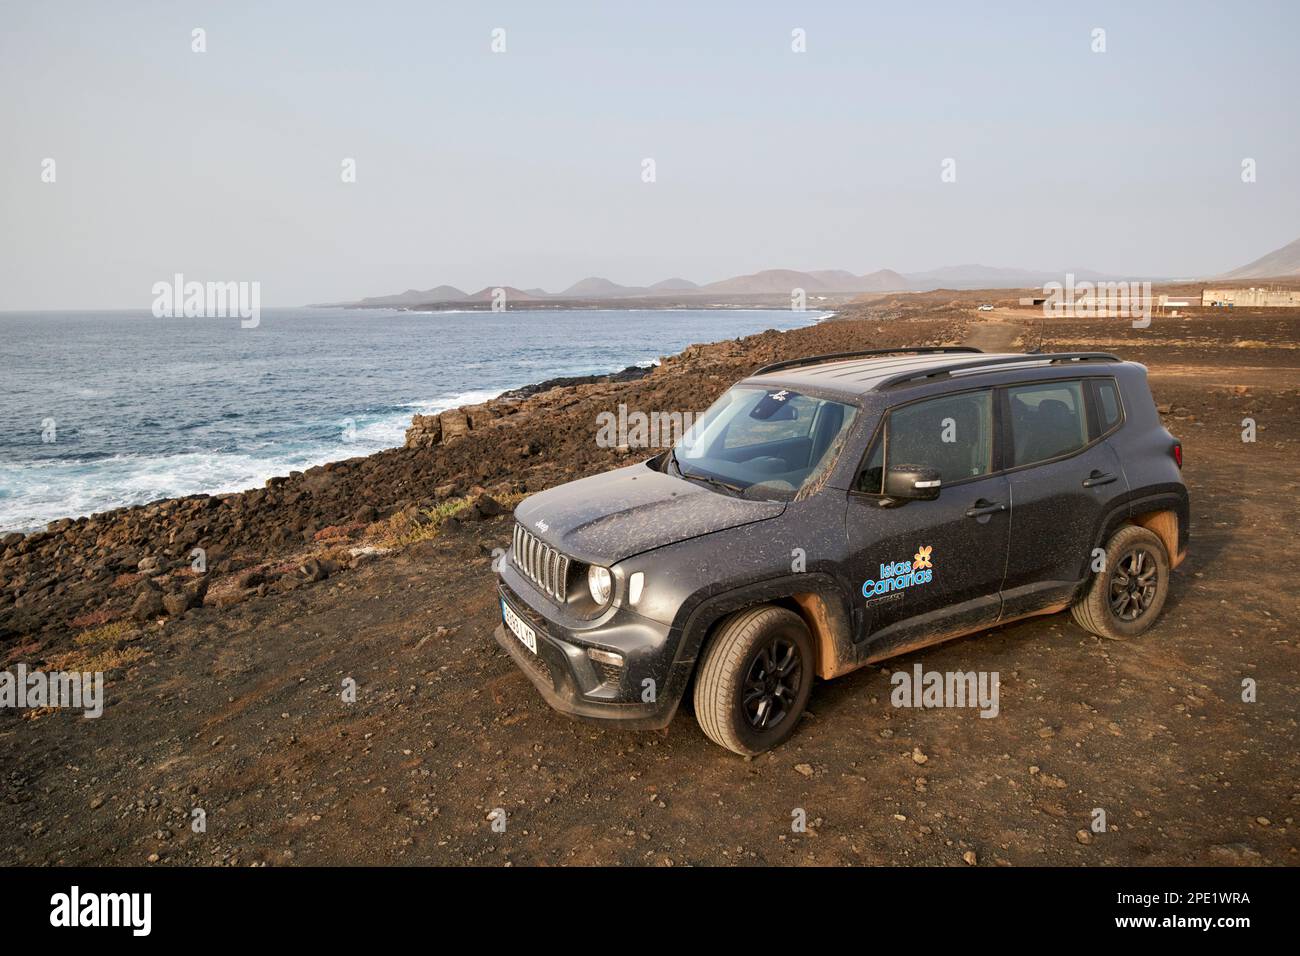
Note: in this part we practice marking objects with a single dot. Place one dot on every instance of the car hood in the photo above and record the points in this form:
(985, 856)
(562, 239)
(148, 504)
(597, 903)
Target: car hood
(608, 517)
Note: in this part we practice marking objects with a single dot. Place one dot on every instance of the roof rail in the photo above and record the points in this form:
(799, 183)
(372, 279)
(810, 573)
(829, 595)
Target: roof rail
(1046, 358)
(838, 356)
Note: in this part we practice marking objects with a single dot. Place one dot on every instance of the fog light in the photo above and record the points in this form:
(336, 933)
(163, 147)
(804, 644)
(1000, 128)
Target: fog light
(605, 657)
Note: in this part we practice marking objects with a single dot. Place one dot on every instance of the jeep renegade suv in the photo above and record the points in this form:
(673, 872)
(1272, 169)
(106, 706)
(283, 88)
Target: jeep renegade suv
(830, 512)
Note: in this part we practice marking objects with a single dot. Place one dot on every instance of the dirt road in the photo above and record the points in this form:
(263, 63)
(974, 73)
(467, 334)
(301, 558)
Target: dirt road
(241, 714)
(993, 335)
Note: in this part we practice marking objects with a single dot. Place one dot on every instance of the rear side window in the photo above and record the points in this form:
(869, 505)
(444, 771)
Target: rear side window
(1108, 413)
(1047, 421)
(953, 434)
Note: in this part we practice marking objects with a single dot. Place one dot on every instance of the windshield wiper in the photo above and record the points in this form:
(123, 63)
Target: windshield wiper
(717, 483)
(707, 479)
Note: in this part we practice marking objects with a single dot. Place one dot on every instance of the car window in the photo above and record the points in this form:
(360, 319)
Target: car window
(953, 434)
(1108, 413)
(793, 418)
(765, 443)
(1047, 420)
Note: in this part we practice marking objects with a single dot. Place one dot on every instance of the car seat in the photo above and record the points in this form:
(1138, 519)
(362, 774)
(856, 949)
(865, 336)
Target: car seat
(1053, 431)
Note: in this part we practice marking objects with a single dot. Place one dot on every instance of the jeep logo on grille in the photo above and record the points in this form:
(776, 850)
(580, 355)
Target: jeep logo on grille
(542, 526)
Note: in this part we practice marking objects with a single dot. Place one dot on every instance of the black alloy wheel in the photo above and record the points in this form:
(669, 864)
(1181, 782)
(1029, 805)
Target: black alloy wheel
(1133, 585)
(772, 684)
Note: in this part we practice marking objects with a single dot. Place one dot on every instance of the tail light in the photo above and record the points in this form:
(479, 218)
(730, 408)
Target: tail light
(1178, 454)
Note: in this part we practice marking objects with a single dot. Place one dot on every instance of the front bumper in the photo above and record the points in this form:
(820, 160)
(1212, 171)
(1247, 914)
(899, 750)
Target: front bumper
(573, 684)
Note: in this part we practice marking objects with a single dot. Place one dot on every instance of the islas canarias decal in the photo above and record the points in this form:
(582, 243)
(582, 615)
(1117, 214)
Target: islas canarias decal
(901, 575)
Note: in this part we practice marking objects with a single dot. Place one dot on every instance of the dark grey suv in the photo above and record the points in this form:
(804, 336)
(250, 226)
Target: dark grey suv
(830, 512)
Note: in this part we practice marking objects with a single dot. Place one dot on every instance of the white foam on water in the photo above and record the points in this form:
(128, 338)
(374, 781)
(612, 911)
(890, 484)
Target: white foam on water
(47, 490)
(32, 494)
(434, 405)
(35, 492)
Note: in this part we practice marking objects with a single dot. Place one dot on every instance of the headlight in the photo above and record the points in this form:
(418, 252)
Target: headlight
(601, 584)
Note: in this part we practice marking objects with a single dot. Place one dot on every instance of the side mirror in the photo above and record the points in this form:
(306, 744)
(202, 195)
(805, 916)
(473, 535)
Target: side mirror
(912, 483)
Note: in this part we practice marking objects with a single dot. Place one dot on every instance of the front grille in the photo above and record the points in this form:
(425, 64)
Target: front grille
(541, 563)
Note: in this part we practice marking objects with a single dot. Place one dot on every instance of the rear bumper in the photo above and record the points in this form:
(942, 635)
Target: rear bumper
(573, 684)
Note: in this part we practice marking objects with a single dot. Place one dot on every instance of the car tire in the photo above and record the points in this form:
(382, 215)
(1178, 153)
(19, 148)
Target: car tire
(1125, 598)
(754, 679)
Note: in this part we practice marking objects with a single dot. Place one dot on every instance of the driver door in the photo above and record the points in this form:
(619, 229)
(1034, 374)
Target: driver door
(928, 570)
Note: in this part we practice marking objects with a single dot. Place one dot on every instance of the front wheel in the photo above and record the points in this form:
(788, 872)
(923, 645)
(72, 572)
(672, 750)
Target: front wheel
(1125, 598)
(754, 679)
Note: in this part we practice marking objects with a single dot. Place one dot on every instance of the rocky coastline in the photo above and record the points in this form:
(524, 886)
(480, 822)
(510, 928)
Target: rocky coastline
(174, 557)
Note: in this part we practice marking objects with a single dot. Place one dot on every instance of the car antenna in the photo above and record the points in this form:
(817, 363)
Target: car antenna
(1042, 332)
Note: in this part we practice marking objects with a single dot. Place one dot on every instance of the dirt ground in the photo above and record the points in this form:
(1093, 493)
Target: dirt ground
(240, 712)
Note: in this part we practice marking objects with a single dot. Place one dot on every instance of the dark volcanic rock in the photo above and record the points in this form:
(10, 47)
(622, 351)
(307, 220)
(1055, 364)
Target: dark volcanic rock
(148, 605)
(485, 506)
(630, 374)
(92, 570)
(176, 603)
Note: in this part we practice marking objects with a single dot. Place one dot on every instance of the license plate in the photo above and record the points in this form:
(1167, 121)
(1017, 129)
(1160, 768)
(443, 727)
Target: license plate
(518, 628)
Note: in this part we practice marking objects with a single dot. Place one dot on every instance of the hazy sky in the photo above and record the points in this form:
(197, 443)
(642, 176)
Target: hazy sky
(477, 168)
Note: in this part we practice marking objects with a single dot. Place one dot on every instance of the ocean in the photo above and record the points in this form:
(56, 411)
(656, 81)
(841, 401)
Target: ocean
(105, 409)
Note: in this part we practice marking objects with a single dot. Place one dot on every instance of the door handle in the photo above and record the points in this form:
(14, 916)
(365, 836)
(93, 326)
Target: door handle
(984, 507)
(1098, 478)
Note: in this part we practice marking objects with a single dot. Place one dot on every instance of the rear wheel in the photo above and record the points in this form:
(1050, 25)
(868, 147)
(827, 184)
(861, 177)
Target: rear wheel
(1125, 598)
(754, 679)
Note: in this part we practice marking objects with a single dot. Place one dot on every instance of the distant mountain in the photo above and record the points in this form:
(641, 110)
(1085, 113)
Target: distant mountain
(512, 294)
(840, 279)
(595, 287)
(781, 281)
(1278, 263)
(767, 282)
(882, 280)
(675, 285)
(442, 293)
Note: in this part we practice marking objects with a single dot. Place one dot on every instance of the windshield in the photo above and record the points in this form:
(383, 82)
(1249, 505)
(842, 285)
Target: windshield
(764, 443)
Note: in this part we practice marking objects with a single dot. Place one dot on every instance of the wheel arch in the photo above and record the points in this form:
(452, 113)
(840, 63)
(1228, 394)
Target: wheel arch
(814, 596)
(1164, 523)
(1166, 514)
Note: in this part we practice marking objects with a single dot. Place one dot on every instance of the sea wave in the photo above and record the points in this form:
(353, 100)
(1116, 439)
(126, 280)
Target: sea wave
(141, 411)
(55, 488)
(435, 405)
